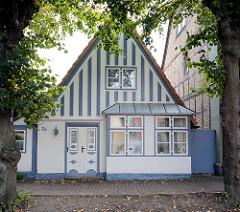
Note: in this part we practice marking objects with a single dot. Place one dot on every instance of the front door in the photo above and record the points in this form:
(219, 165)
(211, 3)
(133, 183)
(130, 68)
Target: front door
(81, 151)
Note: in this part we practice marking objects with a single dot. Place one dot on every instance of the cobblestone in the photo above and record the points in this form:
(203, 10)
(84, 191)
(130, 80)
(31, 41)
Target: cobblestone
(197, 184)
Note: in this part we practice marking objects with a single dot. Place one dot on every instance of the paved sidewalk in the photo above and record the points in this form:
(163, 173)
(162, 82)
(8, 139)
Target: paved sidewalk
(196, 184)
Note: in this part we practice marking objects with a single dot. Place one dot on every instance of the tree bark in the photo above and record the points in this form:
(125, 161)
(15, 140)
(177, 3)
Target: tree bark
(230, 110)
(9, 157)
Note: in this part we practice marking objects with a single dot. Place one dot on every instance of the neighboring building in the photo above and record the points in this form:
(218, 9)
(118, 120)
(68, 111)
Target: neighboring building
(121, 119)
(182, 79)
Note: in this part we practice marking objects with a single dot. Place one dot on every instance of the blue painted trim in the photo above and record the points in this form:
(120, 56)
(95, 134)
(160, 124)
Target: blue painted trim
(81, 62)
(133, 96)
(34, 148)
(62, 107)
(98, 149)
(142, 79)
(107, 99)
(89, 86)
(108, 58)
(98, 112)
(143, 176)
(150, 85)
(27, 174)
(133, 54)
(159, 92)
(50, 176)
(108, 135)
(156, 71)
(125, 96)
(71, 99)
(167, 98)
(116, 60)
(20, 127)
(115, 96)
(80, 107)
(102, 174)
(125, 50)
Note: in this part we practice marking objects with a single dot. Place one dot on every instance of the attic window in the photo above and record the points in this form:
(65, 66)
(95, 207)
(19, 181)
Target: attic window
(121, 78)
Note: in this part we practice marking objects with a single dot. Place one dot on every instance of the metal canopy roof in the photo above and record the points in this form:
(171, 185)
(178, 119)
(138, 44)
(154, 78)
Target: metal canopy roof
(147, 108)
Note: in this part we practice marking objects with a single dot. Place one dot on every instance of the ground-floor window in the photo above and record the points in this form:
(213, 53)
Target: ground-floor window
(126, 135)
(169, 135)
(20, 136)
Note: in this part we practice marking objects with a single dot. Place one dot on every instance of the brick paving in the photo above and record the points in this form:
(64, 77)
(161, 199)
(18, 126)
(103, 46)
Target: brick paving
(196, 184)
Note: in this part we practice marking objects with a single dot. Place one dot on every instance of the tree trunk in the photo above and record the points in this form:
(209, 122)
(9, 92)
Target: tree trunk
(230, 110)
(9, 157)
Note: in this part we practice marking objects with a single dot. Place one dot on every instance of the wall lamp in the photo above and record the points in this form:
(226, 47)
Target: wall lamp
(56, 130)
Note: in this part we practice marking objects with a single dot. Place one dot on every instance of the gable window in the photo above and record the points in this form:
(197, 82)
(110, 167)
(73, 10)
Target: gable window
(126, 135)
(121, 78)
(20, 139)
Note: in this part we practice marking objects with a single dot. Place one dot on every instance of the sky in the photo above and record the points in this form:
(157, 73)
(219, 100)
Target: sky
(61, 62)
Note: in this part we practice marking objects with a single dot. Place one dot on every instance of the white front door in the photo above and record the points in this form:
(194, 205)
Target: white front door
(81, 151)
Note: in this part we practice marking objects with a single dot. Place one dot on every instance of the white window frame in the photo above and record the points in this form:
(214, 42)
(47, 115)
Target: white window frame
(173, 121)
(24, 140)
(118, 127)
(185, 131)
(124, 153)
(121, 87)
(128, 151)
(170, 120)
(135, 117)
(119, 79)
(170, 142)
(94, 141)
(70, 148)
(122, 78)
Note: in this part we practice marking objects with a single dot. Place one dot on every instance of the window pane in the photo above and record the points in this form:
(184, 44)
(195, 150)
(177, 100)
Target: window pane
(163, 143)
(135, 122)
(180, 137)
(163, 137)
(73, 137)
(20, 139)
(128, 83)
(163, 122)
(117, 122)
(135, 142)
(113, 83)
(180, 122)
(180, 148)
(129, 78)
(162, 148)
(113, 73)
(118, 143)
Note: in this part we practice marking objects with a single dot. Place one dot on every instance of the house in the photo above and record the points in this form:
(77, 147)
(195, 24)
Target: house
(183, 78)
(121, 119)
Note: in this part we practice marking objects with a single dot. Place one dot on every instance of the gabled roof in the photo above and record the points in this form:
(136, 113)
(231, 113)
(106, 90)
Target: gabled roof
(91, 45)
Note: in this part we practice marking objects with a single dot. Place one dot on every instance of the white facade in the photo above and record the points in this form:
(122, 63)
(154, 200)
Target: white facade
(84, 144)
